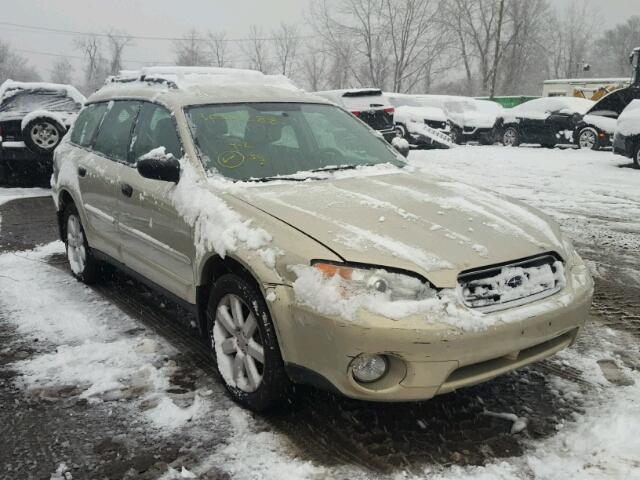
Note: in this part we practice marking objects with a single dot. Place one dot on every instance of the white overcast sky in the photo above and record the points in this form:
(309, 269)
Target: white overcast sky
(173, 18)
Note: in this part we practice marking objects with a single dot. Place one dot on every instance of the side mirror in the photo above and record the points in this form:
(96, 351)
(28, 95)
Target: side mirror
(401, 145)
(159, 166)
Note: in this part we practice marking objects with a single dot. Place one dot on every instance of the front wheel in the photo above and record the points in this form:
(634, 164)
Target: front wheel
(636, 158)
(245, 345)
(456, 136)
(83, 264)
(588, 138)
(511, 137)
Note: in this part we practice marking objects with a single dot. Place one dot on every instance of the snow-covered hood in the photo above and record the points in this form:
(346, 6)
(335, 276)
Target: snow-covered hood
(406, 114)
(472, 119)
(605, 124)
(408, 220)
(629, 120)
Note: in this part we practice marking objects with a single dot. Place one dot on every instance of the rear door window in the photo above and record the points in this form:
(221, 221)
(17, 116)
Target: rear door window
(84, 129)
(155, 128)
(114, 136)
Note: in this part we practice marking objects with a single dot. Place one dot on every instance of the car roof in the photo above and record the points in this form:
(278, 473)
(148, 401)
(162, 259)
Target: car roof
(177, 87)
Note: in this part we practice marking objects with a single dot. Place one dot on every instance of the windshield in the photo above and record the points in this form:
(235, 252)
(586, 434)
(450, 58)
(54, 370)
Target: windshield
(264, 140)
(30, 100)
(459, 106)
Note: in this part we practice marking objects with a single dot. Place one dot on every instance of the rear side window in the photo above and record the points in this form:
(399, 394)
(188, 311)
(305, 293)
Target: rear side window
(155, 128)
(84, 129)
(115, 132)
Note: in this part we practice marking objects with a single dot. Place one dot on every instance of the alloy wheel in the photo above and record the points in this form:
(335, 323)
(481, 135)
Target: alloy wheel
(238, 344)
(509, 137)
(587, 139)
(45, 135)
(76, 251)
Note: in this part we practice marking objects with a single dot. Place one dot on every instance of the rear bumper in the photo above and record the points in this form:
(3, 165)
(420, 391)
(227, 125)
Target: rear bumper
(428, 359)
(21, 166)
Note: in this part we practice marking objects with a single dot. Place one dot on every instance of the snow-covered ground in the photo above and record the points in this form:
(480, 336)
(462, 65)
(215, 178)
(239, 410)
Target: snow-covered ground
(86, 341)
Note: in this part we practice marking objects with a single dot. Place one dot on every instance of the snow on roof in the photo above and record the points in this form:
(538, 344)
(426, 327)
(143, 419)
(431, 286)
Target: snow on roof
(188, 77)
(11, 87)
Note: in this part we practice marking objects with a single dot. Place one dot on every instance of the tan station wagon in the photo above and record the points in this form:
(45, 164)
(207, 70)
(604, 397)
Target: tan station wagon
(308, 248)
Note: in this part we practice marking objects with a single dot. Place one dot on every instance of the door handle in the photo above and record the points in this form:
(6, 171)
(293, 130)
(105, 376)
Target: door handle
(126, 189)
(82, 171)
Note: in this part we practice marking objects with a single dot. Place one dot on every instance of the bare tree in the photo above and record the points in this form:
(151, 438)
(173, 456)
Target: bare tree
(218, 49)
(62, 71)
(315, 68)
(524, 56)
(14, 66)
(286, 47)
(618, 43)
(116, 42)
(190, 50)
(571, 38)
(417, 40)
(95, 65)
(355, 34)
(256, 50)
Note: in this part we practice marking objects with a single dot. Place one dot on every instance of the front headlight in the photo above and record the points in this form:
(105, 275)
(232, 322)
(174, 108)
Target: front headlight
(357, 280)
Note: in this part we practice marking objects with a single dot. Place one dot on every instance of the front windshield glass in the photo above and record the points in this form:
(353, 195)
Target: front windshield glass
(264, 140)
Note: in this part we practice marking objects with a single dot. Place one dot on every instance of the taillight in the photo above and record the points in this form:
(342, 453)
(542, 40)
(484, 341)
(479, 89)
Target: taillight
(357, 114)
(389, 110)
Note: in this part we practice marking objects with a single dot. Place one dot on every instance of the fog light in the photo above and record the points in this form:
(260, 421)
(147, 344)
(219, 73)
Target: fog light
(369, 368)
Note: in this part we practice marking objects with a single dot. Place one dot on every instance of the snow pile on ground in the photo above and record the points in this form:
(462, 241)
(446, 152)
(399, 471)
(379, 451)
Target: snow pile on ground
(602, 443)
(93, 353)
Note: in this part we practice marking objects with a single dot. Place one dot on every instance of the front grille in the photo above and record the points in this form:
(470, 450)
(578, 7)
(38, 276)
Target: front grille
(436, 124)
(509, 285)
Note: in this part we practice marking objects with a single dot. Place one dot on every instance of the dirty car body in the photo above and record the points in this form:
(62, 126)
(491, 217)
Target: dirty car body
(350, 214)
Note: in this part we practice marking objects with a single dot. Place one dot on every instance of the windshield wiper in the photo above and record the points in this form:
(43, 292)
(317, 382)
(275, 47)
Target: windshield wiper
(289, 179)
(336, 168)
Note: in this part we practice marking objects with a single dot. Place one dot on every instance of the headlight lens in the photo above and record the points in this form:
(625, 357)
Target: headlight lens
(395, 286)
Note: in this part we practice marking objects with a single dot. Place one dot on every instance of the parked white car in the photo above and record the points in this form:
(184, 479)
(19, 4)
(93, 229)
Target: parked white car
(368, 104)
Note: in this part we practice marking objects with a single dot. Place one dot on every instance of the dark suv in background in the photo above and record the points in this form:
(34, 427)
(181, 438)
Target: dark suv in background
(33, 119)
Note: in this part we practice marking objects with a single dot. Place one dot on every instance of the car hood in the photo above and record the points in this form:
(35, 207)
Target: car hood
(428, 225)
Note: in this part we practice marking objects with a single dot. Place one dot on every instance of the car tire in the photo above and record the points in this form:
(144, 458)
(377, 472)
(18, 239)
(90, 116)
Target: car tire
(510, 137)
(456, 136)
(636, 158)
(588, 138)
(84, 266)
(42, 135)
(244, 344)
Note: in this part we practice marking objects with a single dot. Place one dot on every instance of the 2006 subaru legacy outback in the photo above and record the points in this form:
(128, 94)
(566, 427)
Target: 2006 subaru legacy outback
(309, 250)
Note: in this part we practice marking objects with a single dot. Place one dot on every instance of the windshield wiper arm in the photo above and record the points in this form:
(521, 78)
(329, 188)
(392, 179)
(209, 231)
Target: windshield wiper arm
(289, 179)
(335, 168)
